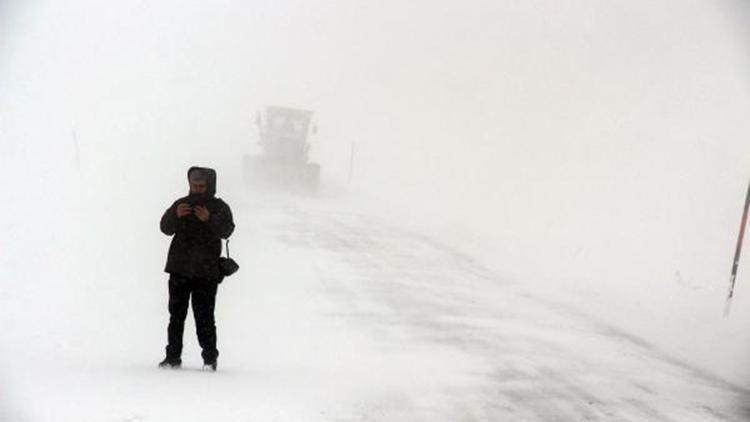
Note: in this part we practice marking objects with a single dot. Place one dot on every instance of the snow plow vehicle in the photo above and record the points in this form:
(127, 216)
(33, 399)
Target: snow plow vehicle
(284, 156)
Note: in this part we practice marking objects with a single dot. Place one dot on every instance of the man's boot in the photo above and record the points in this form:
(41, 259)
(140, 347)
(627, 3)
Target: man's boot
(210, 366)
(170, 363)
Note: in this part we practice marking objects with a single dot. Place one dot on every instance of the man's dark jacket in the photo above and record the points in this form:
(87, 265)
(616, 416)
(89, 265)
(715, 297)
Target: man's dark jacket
(196, 245)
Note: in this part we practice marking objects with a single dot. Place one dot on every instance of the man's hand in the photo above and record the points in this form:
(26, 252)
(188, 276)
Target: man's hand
(183, 210)
(202, 213)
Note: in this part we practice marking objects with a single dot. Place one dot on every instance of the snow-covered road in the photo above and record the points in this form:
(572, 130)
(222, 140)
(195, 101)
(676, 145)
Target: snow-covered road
(339, 317)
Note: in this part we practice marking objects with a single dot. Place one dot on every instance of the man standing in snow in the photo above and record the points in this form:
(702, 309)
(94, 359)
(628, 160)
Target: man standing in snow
(198, 222)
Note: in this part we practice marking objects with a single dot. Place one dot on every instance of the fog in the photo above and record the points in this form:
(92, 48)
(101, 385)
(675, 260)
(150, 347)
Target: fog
(593, 152)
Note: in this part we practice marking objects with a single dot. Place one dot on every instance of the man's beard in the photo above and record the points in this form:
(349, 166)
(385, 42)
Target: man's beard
(197, 198)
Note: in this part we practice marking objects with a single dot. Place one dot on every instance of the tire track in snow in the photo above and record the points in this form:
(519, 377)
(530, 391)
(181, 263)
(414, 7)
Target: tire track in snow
(539, 360)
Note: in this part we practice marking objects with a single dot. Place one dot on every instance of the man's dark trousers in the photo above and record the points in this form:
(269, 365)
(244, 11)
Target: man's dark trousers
(203, 292)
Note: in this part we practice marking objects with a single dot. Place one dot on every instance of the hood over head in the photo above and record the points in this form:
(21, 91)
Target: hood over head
(207, 174)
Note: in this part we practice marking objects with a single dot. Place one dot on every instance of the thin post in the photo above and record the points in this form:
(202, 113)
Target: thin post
(737, 251)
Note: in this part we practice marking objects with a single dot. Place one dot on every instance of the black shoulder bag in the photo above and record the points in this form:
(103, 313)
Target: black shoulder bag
(227, 265)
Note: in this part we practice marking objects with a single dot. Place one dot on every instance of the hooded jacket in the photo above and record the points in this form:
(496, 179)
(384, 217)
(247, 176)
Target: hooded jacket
(196, 245)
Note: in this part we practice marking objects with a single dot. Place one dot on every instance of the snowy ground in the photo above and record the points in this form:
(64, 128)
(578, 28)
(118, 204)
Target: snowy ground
(334, 317)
